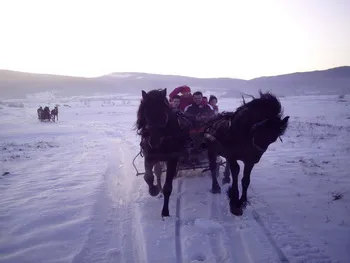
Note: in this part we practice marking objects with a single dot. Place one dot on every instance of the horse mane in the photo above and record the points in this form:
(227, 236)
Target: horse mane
(140, 122)
(267, 105)
(154, 96)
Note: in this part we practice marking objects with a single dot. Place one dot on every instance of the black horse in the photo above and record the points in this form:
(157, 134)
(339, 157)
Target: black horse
(164, 136)
(244, 135)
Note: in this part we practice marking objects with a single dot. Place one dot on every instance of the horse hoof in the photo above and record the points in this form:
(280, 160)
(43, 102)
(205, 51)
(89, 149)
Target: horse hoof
(226, 180)
(237, 211)
(243, 205)
(216, 190)
(154, 191)
(165, 214)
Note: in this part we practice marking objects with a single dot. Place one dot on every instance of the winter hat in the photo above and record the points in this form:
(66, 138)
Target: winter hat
(185, 88)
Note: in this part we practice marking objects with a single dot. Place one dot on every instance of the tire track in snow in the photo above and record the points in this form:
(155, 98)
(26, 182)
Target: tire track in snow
(282, 257)
(140, 247)
(239, 239)
(157, 240)
(219, 241)
(227, 244)
(178, 248)
(210, 232)
(238, 236)
(288, 244)
(271, 238)
(137, 245)
(126, 189)
(110, 236)
(193, 216)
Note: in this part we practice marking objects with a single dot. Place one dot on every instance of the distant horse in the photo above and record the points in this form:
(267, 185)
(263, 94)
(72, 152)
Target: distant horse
(243, 135)
(54, 113)
(164, 135)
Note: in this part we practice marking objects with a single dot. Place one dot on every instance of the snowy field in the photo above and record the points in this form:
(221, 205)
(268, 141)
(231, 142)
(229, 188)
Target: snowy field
(68, 191)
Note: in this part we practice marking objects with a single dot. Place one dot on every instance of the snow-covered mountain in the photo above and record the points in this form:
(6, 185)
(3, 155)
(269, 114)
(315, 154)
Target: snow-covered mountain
(335, 81)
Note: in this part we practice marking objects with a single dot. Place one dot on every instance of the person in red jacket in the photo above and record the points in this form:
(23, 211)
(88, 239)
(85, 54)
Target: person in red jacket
(186, 97)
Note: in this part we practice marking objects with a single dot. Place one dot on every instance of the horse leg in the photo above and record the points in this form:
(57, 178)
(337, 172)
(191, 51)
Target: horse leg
(215, 188)
(233, 192)
(226, 179)
(158, 172)
(149, 178)
(248, 167)
(168, 185)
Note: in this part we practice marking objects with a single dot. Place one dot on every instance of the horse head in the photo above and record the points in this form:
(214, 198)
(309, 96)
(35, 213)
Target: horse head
(267, 131)
(153, 115)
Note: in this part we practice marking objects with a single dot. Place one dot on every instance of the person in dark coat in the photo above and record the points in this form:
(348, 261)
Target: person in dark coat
(198, 112)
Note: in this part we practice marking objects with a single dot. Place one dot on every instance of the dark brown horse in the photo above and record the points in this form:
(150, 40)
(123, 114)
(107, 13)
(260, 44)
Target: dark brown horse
(163, 139)
(244, 135)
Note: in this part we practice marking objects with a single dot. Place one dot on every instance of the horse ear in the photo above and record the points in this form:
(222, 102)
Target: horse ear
(254, 127)
(285, 120)
(144, 94)
(164, 92)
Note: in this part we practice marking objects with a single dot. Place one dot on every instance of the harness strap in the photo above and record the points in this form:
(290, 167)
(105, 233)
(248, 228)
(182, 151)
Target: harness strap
(260, 149)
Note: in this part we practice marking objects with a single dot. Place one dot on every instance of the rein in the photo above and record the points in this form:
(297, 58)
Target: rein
(260, 149)
(182, 121)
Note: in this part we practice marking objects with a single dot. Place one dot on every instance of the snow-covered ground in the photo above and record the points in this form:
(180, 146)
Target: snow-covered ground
(68, 191)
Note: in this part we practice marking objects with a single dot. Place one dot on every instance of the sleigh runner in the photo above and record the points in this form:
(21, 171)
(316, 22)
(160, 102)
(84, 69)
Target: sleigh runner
(194, 156)
(187, 161)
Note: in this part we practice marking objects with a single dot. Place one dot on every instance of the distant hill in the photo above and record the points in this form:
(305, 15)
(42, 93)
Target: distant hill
(331, 81)
(15, 84)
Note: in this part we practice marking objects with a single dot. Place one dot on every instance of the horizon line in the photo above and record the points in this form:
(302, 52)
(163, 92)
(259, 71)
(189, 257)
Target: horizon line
(162, 74)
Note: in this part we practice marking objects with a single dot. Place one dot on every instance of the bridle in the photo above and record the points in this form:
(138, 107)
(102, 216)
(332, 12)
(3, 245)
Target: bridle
(158, 126)
(253, 130)
(151, 127)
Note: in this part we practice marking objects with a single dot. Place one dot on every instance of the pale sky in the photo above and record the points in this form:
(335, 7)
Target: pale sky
(199, 38)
